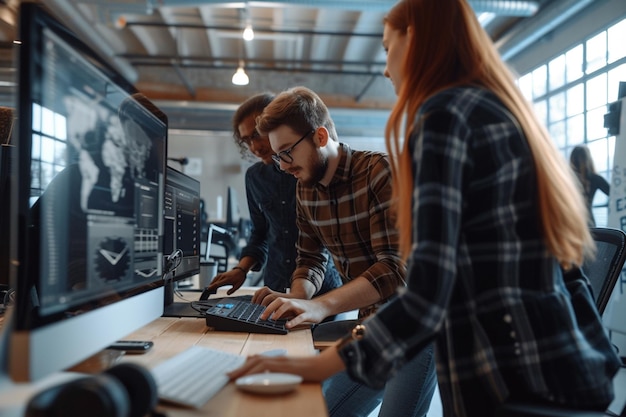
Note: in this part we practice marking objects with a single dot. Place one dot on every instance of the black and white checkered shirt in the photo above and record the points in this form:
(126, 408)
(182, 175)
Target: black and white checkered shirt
(480, 281)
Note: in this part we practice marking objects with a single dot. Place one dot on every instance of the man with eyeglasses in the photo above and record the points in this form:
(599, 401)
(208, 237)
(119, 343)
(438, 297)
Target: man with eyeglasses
(343, 201)
(271, 196)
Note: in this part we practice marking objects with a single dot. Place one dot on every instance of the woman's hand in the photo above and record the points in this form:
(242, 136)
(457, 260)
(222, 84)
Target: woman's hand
(310, 368)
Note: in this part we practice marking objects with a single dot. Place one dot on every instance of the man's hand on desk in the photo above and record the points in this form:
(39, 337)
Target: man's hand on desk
(234, 277)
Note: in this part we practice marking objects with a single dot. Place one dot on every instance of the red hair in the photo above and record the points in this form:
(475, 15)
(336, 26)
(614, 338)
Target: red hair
(448, 48)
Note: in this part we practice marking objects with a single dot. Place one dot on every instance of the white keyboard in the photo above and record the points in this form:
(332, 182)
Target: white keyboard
(194, 376)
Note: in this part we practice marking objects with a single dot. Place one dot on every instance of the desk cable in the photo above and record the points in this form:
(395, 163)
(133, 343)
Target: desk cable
(7, 298)
(172, 261)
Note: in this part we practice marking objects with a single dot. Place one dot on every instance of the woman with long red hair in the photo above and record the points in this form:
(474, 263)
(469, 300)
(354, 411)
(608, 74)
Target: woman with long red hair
(492, 227)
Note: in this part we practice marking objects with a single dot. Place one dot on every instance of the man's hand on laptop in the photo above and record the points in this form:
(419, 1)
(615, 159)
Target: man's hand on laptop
(295, 310)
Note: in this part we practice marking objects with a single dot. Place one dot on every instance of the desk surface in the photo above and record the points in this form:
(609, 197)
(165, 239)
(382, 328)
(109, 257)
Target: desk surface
(173, 335)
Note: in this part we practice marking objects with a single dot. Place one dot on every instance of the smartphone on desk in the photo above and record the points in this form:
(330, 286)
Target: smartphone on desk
(132, 346)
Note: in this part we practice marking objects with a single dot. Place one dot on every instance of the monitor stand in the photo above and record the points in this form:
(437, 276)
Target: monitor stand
(181, 309)
(177, 309)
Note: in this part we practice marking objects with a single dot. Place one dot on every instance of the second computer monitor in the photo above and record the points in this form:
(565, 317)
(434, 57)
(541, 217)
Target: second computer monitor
(181, 245)
(181, 237)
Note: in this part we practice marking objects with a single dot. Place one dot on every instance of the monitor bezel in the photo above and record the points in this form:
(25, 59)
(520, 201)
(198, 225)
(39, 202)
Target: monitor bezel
(39, 345)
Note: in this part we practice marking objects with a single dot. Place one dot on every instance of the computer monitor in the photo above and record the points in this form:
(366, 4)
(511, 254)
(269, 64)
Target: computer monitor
(6, 167)
(181, 242)
(233, 222)
(233, 214)
(89, 202)
(5, 221)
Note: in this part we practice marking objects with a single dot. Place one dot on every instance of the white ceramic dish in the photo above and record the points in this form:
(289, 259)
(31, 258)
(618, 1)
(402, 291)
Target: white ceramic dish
(268, 383)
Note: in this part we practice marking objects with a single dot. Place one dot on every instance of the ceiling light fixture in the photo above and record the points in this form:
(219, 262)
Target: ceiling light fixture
(248, 33)
(120, 22)
(240, 77)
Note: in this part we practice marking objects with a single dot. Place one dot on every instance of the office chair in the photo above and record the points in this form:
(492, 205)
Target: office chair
(219, 256)
(216, 249)
(603, 272)
(605, 269)
(219, 251)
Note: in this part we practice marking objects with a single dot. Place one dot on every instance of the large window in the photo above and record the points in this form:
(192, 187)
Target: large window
(571, 92)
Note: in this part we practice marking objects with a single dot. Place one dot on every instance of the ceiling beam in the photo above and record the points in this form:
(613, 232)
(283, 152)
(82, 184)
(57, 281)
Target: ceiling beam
(373, 68)
(249, 69)
(206, 96)
(552, 16)
(502, 7)
(257, 29)
(143, 58)
(183, 79)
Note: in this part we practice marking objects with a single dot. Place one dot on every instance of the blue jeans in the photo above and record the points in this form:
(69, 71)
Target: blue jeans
(407, 394)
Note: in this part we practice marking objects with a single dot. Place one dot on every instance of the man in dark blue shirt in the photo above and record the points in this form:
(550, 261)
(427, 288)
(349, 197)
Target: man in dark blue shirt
(271, 196)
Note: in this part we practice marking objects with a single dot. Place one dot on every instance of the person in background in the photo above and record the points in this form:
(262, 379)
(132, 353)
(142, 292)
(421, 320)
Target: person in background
(590, 181)
(493, 230)
(271, 196)
(343, 200)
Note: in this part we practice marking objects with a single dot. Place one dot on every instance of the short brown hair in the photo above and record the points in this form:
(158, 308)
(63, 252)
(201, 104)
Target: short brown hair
(300, 109)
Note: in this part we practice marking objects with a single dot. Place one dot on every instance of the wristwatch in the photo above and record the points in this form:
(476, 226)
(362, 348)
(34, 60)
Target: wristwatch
(357, 333)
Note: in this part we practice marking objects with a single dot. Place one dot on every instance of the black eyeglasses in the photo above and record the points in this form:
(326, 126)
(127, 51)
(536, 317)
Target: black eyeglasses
(285, 155)
(248, 139)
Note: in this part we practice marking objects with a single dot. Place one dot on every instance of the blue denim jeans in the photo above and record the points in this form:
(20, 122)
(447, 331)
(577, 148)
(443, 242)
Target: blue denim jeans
(407, 394)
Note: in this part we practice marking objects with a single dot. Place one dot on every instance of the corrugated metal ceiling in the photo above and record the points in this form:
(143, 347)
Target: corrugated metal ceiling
(183, 53)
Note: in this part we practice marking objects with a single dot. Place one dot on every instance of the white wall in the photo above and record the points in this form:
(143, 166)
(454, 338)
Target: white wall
(222, 166)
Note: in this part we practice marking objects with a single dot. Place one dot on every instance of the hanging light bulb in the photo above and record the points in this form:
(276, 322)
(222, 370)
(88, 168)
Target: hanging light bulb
(240, 77)
(120, 22)
(248, 33)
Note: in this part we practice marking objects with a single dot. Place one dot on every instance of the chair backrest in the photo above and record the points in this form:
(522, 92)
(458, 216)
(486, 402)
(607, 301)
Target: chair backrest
(218, 255)
(604, 270)
(216, 250)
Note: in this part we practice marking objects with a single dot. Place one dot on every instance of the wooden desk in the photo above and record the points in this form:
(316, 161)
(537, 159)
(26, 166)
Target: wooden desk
(173, 335)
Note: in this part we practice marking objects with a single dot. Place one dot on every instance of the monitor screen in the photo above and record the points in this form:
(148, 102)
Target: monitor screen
(181, 243)
(89, 202)
(6, 158)
(232, 208)
(5, 219)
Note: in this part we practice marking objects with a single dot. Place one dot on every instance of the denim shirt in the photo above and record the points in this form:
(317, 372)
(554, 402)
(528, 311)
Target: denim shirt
(271, 196)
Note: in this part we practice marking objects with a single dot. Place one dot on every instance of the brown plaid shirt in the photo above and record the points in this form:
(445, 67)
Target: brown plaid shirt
(352, 219)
